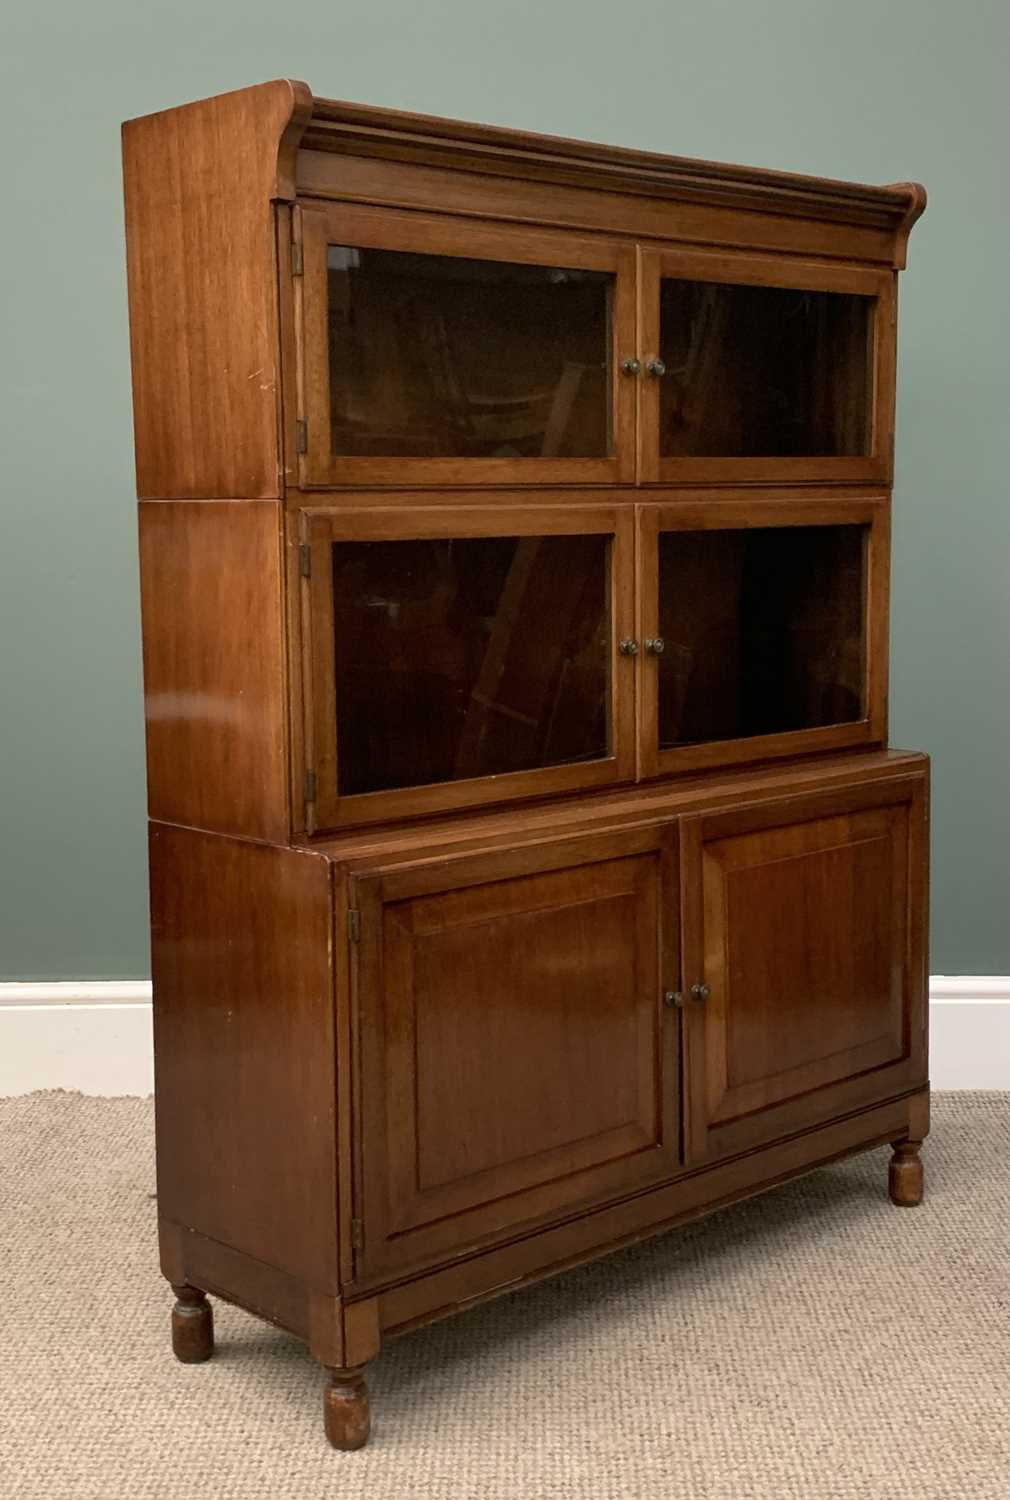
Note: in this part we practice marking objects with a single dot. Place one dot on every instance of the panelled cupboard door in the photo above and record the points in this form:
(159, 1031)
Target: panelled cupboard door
(804, 961)
(439, 351)
(517, 1057)
(758, 370)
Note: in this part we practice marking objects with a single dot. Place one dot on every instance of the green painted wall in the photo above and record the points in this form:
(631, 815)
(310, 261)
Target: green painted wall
(864, 90)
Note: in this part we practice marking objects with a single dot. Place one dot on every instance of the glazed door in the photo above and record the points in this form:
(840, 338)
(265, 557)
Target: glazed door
(761, 370)
(804, 962)
(764, 629)
(439, 351)
(460, 656)
(517, 1059)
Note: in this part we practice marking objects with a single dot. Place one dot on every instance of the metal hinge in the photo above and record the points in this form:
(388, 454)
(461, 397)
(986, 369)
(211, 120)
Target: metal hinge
(302, 435)
(310, 786)
(297, 259)
(357, 1235)
(305, 559)
(353, 924)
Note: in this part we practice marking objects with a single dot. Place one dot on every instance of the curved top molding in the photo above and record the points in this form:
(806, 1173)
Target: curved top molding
(363, 130)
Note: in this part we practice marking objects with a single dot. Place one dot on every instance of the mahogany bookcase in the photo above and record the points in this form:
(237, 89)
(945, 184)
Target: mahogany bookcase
(529, 868)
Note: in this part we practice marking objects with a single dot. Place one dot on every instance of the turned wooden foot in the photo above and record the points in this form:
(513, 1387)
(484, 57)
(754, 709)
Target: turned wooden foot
(345, 1409)
(192, 1326)
(905, 1176)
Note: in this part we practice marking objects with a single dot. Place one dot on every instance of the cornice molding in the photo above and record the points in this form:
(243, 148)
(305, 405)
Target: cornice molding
(363, 130)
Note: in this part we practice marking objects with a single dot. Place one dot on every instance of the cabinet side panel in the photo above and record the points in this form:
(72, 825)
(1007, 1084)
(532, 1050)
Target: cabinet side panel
(214, 668)
(199, 183)
(244, 1048)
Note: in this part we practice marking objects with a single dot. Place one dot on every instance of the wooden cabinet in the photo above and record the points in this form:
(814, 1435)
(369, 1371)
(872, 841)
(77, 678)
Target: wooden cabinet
(530, 870)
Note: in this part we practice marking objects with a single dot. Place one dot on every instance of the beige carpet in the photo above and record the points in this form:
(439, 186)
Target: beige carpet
(814, 1344)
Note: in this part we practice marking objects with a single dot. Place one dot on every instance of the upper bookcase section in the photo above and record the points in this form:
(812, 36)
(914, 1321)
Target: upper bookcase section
(208, 322)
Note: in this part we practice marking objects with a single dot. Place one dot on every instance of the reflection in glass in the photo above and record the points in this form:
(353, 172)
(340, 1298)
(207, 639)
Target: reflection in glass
(461, 658)
(763, 631)
(763, 372)
(440, 356)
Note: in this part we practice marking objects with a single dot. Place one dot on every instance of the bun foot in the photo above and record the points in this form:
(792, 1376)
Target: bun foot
(192, 1326)
(905, 1176)
(345, 1409)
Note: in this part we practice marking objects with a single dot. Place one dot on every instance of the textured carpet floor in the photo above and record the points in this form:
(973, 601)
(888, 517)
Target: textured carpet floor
(813, 1344)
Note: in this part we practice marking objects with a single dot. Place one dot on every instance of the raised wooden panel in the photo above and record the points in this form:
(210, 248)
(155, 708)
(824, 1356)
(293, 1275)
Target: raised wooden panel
(517, 1058)
(244, 1048)
(214, 665)
(202, 273)
(805, 924)
(795, 1016)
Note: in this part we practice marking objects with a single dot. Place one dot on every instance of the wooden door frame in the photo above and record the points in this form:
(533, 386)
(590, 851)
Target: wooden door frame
(747, 512)
(317, 224)
(702, 1142)
(371, 891)
(742, 268)
(320, 527)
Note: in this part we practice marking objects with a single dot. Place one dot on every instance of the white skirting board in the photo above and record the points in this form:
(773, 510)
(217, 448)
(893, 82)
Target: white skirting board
(96, 1036)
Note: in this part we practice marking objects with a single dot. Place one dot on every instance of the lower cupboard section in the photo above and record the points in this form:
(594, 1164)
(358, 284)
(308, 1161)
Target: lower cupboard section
(550, 1027)
(420, 1072)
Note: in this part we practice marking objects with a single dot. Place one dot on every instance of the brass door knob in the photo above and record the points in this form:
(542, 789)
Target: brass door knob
(673, 998)
(656, 368)
(655, 645)
(630, 366)
(628, 647)
(700, 992)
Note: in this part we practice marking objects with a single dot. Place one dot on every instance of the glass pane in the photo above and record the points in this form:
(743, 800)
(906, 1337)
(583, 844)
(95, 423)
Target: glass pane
(763, 372)
(438, 356)
(469, 657)
(763, 631)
